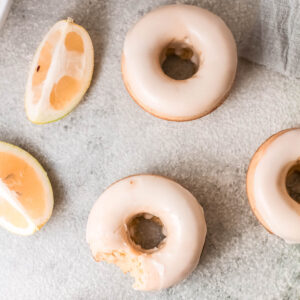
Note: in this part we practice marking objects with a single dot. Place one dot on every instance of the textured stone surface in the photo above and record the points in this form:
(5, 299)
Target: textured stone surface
(109, 137)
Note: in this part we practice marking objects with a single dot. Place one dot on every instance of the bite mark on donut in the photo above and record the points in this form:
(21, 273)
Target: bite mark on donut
(127, 262)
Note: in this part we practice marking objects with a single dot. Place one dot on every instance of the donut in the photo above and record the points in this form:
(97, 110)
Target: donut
(164, 201)
(273, 162)
(189, 32)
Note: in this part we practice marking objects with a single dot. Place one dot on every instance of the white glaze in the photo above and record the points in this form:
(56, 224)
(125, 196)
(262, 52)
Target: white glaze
(180, 213)
(279, 211)
(179, 99)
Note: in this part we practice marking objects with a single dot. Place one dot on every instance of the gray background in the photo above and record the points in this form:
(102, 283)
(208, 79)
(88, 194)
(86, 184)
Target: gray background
(109, 137)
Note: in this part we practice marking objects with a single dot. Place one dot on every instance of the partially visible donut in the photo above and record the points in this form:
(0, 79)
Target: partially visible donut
(269, 199)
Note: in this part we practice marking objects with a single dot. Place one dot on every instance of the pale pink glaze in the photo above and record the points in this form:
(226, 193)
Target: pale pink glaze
(173, 99)
(180, 213)
(279, 211)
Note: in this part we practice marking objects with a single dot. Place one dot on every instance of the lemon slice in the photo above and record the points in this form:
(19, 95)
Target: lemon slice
(26, 197)
(60, 74)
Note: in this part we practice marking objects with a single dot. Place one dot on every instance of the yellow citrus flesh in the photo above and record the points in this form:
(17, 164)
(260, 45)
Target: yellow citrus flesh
(26, 198)
(60, 74)
(12, 215)
(21, 178)
(63, 92)
(73, 42)
(45, 58)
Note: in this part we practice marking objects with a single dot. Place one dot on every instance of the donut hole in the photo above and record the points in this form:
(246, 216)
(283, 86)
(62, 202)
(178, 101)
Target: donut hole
(293, 182)
(146, 232)
(179, 61)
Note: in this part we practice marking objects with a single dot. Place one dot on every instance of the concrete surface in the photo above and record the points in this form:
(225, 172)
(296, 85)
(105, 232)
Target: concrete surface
(109, 137)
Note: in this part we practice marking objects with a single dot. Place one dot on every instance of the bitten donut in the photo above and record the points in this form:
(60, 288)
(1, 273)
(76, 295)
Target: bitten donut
(192, 33)
(269, 199)
(166, 202)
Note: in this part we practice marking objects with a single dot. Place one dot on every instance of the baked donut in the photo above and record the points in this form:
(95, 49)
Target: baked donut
(110, 237)
(268, 196)
(189, 32)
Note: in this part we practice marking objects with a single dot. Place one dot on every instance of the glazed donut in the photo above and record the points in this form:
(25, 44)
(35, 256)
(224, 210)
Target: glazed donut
(189, 32)
(155, 197)
(269, 199)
